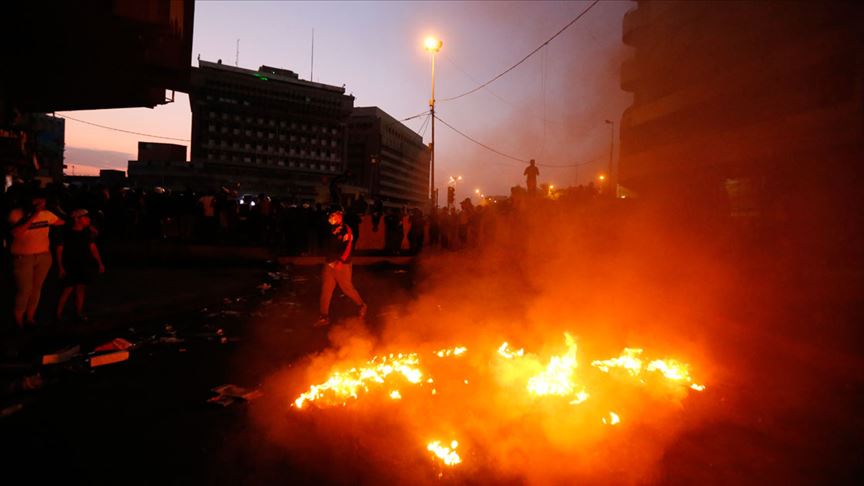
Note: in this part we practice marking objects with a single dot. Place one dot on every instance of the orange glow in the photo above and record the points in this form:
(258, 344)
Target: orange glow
(432, 44)
(447, 455)
(526, 380)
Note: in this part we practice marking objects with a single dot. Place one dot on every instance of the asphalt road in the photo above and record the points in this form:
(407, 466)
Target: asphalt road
(147, 420)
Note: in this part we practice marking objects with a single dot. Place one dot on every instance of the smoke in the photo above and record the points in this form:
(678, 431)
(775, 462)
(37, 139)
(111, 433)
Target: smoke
(610, 276)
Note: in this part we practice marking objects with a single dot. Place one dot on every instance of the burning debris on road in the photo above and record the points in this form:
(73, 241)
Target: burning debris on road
(498, 398)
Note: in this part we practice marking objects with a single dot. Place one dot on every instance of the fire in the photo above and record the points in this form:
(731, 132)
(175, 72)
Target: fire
(613, 419)
(557, 378)
(447, 455)
(505, 351)
(516, 373)
(379, 370)
(444, 353)
(629, 361)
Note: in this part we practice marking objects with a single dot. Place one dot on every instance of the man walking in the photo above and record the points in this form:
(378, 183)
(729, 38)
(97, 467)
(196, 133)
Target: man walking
(337, 267)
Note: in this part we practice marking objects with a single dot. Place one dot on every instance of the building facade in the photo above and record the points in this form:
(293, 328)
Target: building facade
(748, 112)
(267, 129)
(387, 159)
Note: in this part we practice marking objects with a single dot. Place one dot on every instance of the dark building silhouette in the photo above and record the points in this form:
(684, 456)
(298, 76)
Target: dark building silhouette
(165, 165)
(268, 129)
(746, 111)
(84, 56)
(388, 159)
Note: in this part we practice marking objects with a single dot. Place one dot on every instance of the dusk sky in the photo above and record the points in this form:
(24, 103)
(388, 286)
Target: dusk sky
(551, 108)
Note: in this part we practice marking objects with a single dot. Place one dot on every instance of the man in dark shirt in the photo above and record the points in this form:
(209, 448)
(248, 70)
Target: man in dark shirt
(339, 246)
(78, 262)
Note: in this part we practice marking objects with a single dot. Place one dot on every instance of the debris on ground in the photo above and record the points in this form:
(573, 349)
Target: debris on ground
(118, 344)
(61, 356)
(11, 409)
(108, 358)
(25, 383)
(264, 287)
(228, 394)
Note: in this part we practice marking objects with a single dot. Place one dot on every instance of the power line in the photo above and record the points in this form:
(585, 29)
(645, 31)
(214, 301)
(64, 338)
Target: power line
(424, 126)
(487, 83)
(451, 127)
(67, 117)
(552, 166)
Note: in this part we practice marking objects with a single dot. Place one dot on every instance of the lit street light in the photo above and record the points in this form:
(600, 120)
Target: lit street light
(433, 45)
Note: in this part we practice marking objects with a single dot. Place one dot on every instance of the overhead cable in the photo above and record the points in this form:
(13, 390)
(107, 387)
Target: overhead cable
(552, 166)
(487, 83)
(67, 117)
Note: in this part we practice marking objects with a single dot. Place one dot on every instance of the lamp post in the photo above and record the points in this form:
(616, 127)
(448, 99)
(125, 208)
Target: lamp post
(611, 151)
(433, 45)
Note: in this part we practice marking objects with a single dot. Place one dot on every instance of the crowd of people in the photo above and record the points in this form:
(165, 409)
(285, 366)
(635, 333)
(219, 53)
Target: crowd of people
(85, 218)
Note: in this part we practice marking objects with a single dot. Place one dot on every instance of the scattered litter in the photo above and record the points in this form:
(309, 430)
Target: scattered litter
(182, 350)
(267, 302)
(221, 400)
(400, 271)
(118, 344)
(264, 287)
(230, 313)
(61, 356)
(228, 394)
(108, 358)
(237, 392)
(171, 340)
(299, 279)
(257, 314)
(27, 383)
(11, 409)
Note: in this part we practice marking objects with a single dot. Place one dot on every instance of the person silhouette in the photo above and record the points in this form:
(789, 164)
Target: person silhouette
(531, 173)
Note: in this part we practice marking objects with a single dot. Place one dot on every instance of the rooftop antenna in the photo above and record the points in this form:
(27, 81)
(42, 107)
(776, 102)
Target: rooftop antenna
(312, 62)
(237, 55)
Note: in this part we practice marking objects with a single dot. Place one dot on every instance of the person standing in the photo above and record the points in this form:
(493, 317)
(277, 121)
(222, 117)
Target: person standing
(339, 247)
(31, 255)
(531, 173)
(78, 262)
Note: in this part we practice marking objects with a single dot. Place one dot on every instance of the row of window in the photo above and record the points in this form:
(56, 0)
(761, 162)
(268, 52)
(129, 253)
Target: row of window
(272, 136)
(273, 122)
(271, 149)
(270, 161)
(226, 90)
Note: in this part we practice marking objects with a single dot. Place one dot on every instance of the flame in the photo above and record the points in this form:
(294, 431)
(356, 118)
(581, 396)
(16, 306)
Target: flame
(342, 385)
(505, 351)
(671, 369)
(556, 379)
(445, 353)
(629, 360)
(447, 455)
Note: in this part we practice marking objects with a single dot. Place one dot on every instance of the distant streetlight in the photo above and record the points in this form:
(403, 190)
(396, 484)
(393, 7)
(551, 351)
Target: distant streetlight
(433, 45)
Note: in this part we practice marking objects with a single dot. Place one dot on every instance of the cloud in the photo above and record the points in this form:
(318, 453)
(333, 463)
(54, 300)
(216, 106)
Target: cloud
(94, 158)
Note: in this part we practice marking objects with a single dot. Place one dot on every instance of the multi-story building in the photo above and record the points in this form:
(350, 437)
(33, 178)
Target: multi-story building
(387, 159)
(267, 129)
(746, 111)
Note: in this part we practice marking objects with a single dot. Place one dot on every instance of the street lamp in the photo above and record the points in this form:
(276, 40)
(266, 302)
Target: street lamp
(433, 45)
(611, 145)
